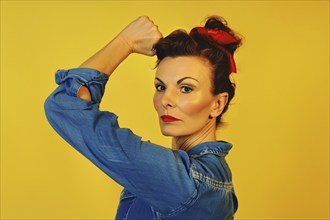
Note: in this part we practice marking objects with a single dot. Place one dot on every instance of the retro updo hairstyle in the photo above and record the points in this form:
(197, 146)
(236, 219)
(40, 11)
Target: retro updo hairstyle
(180, 43)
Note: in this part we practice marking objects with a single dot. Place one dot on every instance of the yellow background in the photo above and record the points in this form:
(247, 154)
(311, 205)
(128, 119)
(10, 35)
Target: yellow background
(278, 121)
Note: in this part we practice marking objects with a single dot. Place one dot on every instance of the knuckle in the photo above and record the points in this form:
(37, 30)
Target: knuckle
(145, 18)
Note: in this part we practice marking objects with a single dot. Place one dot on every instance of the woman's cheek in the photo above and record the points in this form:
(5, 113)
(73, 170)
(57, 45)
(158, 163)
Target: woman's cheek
(193, 106)
(155, 102)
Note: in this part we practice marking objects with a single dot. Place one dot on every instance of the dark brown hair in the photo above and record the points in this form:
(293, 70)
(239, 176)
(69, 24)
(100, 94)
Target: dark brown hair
(180, 43)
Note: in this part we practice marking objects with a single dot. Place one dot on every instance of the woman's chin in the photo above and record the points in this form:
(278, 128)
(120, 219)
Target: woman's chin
(167, 133)
(171, 132)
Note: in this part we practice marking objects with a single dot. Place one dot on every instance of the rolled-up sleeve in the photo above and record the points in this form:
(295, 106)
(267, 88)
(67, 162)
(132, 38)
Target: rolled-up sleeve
(145, 169)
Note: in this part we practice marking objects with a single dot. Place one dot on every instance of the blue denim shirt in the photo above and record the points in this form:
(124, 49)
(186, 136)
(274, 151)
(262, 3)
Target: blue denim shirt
(159, 183)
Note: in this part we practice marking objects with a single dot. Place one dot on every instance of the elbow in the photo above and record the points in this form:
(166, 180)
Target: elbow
(52, 106)
(47, 104)
(49, 108)
(52, 102)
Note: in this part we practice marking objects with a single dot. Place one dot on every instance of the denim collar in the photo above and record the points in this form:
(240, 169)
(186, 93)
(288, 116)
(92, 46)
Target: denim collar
(220, 148)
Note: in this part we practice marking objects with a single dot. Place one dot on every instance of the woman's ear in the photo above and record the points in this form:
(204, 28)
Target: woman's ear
(219, 104)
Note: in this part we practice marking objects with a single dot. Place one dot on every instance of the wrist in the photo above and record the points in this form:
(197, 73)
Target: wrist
(124, 44)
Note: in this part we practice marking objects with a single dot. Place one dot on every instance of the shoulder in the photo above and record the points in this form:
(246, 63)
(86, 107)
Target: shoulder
(209, 166)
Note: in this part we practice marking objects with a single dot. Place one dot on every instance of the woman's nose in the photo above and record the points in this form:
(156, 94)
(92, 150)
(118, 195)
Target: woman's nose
(169, 98)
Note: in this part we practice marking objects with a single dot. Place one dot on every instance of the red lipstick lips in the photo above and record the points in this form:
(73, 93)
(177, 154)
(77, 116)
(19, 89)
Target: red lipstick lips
(168, 118)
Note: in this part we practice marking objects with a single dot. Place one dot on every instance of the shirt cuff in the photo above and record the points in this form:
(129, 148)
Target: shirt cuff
(73, 79)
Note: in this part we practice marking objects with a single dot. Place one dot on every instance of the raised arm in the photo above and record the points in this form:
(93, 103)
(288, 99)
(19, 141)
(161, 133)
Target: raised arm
(138, 37)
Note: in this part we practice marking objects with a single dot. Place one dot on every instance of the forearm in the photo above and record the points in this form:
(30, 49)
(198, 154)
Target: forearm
(138, 37)
(108, 59)
(105, 61)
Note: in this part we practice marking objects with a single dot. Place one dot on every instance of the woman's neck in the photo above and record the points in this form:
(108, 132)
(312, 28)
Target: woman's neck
(207, 133)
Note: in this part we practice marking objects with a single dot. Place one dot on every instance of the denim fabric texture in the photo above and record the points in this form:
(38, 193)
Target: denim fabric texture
(159, 183)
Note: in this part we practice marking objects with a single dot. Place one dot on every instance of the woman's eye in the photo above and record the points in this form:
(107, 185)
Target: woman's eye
(186, 89)
(160, 88)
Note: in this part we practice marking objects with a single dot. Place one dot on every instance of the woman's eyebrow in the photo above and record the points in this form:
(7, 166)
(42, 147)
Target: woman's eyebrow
(179, 81)
(187, 77)
(159, 80)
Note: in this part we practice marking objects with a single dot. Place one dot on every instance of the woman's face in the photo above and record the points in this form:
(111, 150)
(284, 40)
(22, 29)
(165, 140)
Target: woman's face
(183, 97)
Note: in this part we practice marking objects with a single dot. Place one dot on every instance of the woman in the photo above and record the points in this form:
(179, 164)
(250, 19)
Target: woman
(190, 181)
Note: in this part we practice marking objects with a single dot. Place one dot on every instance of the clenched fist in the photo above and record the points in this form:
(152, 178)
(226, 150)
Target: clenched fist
(141, 35)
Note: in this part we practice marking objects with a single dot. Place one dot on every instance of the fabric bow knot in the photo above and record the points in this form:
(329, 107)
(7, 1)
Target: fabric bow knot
(223, 38)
